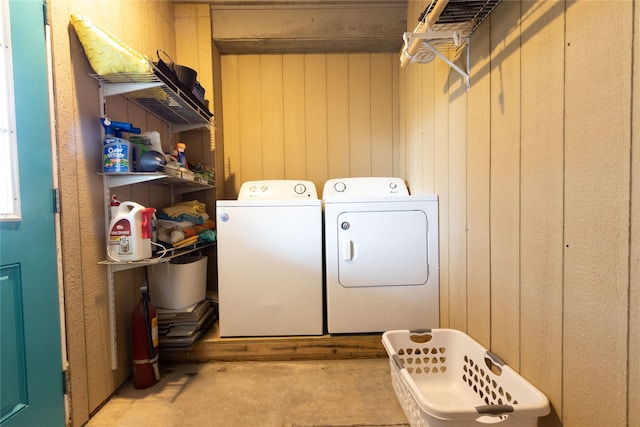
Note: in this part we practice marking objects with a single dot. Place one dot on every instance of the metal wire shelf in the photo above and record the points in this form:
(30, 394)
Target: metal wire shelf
(444, 29)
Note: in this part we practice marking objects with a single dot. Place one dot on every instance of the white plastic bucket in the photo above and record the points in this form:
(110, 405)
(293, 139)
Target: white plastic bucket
(178, 283)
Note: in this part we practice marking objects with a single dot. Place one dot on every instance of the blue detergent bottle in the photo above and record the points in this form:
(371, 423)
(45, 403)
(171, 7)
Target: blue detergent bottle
(116, 151)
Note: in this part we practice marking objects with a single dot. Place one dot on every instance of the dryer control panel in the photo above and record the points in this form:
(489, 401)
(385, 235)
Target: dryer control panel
(364, 187)
(278, 190)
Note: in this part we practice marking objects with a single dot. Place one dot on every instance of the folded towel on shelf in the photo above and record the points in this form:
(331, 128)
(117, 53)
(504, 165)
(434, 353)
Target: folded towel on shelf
(183, 218)
(193, 208)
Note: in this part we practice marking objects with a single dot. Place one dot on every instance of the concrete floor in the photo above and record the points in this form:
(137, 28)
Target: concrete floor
(352, 392)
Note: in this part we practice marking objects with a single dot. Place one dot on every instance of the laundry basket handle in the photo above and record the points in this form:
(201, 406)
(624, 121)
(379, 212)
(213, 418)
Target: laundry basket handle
(398, 361)
(495, 359)
(494, 409)
(494, 363)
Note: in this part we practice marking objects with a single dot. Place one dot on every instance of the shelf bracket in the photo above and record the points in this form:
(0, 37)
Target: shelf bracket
(177, 128)
(431, 50)
(121, 88)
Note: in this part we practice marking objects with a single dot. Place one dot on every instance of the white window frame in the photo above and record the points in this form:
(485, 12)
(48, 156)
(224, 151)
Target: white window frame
(10, 206)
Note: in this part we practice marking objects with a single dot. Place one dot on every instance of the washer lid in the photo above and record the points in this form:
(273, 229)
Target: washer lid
(345, 188)
(278, 190)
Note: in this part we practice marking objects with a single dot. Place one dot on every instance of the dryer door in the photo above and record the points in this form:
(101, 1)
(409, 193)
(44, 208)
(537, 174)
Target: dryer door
(382, 248)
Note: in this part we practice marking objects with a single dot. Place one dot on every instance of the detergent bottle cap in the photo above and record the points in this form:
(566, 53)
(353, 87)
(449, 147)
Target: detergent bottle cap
(115, 201)
(147, 223)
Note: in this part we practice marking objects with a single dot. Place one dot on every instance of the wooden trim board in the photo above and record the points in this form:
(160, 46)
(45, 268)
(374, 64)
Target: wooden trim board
(211, 347)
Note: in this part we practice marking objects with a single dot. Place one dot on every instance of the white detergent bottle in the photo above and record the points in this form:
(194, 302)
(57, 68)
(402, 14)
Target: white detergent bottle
(130, 232)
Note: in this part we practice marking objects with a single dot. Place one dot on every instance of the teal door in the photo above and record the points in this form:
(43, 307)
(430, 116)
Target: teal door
(30, 340)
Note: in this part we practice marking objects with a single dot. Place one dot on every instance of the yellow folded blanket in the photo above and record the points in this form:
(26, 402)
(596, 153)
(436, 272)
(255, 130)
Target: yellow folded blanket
(192, 207)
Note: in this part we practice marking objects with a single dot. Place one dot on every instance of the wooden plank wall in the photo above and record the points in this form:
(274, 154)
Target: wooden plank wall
(633, 379)
(308, 116)
(597, 184)
(144, 25)
(536, 168)
(541, 177)
(634, 276)
(538, 208)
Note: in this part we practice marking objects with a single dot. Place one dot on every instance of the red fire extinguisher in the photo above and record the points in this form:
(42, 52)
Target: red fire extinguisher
(144, 332)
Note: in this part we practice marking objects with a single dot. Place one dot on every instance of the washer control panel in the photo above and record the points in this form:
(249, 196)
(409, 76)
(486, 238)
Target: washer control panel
(277, 190)
(364, 187)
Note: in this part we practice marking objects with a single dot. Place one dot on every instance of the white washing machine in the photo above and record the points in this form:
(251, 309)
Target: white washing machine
(381, 256)
(270, 260)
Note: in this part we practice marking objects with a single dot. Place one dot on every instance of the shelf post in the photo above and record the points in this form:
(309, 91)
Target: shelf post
(113, 334)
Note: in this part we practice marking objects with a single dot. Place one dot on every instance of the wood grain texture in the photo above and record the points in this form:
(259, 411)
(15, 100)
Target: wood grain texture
(338, 115)
(457, 175)
(295, 164)
(272, 119)
(213, 348)
(413, 129)
(596, 271)
(412, 102)
(315, 95)
(426, 113)
(316, 116)
(420, 126)
(505, 183)
(83, 230)
(218, 130)
(598, 290)
(251, 111)
(413, 123)
(397, 142)
(359, 117)
(192, 26)
(232, 168)
(634, 277)
(441, 178)
(381, 114)
(541, 218)
(69, 125)
(478, 184)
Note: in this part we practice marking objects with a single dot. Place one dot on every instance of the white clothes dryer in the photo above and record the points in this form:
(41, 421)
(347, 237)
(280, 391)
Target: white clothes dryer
(381, 256)
(270, 260)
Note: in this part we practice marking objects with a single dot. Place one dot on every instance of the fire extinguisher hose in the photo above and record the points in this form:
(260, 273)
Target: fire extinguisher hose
(153, 357)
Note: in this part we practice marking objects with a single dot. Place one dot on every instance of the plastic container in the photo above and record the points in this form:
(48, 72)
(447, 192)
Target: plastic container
(116, 155)
(178, 283)
(142, 144)
(443, 378)
(130, 232)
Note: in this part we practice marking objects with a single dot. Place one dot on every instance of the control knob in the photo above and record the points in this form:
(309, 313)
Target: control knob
(300, 188)
(339, 186)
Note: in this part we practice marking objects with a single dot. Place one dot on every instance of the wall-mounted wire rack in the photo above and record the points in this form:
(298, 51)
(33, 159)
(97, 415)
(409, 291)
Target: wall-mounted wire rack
(444, 30)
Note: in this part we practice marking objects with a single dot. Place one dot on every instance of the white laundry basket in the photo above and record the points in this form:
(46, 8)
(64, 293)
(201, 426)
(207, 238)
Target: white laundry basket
(443, 378)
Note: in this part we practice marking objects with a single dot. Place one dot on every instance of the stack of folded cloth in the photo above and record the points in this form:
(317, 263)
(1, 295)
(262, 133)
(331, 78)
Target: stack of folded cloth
(184, 223)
